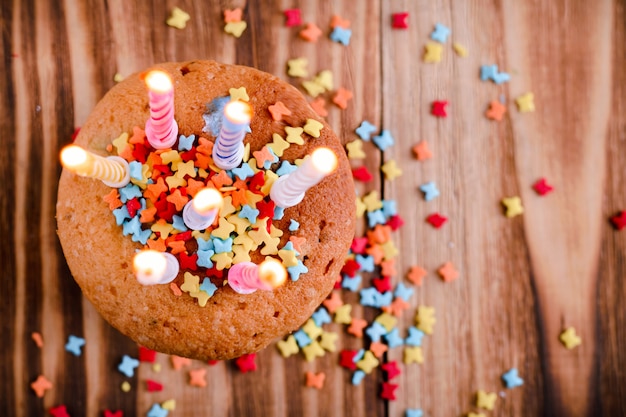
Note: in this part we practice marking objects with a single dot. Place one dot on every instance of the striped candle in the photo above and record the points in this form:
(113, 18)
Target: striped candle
(152, 267)
(288, 190)
(247, 277)
(199, 213)
(112, 171)
(228, 149)
(161, 128)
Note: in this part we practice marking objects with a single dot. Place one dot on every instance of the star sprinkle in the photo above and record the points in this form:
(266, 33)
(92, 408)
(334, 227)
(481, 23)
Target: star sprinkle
(432, 53)
(362, 174)
(391, 170)
(619, 220)
(472, 414)
(294, 135)
(436, 220)
(128, 366)
(488, 72)
(292, 17)
(312, 88)
(297, 67)
(388, 391)
(342, 314)
(278, 110)
(496, 110)
(425, 319)
(238, 94)
(447, 272)
(430, 190)
(525, 102)
(74, 345)
(400, 20)
(421, 151)
(312, 351)
(312, 127)
(486, 400)
(341, 35)
(384, 140)
(59, 411)
(315, 380)
(178, 362)
(246, 363)
(233, 15)
(288, 347)
(513, 206)
(569, 338)
(365, 130)
(368, 363)
(413, 354)
(235, 28)
(342, 97)
(197, 377)
(157, 411)
(440, 33)
(415, 337)
(311, 32)
(328, 341)
(319, 105)
(511, 379)
(542, 187)
(40, 386)
(414, 412)
(178, 18)
(439, 108)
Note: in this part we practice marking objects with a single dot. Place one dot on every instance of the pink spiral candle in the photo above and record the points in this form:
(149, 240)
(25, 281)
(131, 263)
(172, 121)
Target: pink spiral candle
(247, 277)
(288, 190)
(229, 148)
(161, 128)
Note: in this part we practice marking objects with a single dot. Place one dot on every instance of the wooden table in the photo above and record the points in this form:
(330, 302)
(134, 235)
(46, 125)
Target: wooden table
(523, 280)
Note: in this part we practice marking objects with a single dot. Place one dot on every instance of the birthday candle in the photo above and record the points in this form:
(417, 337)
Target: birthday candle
(161, 128)
(152, 267)
(199, 213)
(112, 171)
(247, 277)
(288, 190)
(228, 149)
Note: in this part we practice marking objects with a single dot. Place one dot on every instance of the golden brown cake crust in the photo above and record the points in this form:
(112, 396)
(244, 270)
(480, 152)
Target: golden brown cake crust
(231, 324)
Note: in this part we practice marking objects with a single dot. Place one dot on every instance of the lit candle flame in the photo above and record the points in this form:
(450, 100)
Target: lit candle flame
(206, 200)
(149, 266)
(272, 273)
(112, 171)
(73, 157)
(158, 81)
(324, 160)
(238, 112)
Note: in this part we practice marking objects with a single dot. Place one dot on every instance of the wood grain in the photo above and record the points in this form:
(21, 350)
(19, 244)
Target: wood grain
(522, 280)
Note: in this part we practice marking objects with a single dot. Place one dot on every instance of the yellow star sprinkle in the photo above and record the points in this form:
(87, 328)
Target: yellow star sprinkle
(389, 249)
(278, 145)
(413, 354)
(460, 50)
(342, 314)
(391, 170)
(191, 284)
(222, 260)
(432, 52)
(312, 351)
(297, 67)
(486, 400)
(170, 156)
(311, 329)
(241, 224)
(178, 19)
(253, 198)
(121, 142)
(201, 296)
(372, 202)
(387, 320)
(355, 149)
(313, 127)
(472, 414)
(169, 405)
(241, 254)
(526, 102)
(569, 338)
(513, 206)
(312, 88)
(288, 347)
(425, 319)
(360, 208)
(288, 257)
(227, 206)
(162, 227)
(224, 229)
(235, 28)
(325, 80)
(368, 362)
(184, 168)
(328, 341)
(238, 94)
(245, 241)
(175, 182)
(271, 246)
(270, 177)
(294, 135)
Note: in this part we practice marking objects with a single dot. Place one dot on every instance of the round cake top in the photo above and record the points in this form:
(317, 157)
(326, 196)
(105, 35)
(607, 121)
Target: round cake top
(198, 315)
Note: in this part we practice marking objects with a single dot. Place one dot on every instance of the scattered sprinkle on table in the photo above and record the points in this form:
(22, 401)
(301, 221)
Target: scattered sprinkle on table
(542, 187)
(178, 19)
(486, 400)
(513, 206)
(512, 379)
(526, 103)
(569, 338)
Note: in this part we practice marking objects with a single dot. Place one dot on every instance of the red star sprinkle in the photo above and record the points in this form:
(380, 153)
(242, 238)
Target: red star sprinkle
(350, 268)
(392, 369)
(619, 220)
(146, 355)
(153, 386)
(213, 362)
(346, 359)
(388, 391)
(382, 284)
(118, 413)
(542, 187)
(292, 17)
(188, 261)
(399, 20)
(395, 222)
(358, 245)
(439, 108)
(246, 363)
(436, 220)
(59, 411)
(266, 209)
(256, 182)
(132, 206)
(362, 174)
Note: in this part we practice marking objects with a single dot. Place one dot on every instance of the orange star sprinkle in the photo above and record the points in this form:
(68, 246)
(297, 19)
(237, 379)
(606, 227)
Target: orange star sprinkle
(416, 274)
(311, 32)
(197, 377)
(262, 156)
(177, 199)
(232, 15)
(194, 186)
(153, 191)
(421, 151)
(376, 252)
(41, 385)
(297, 242)
(239, 197)
(496, 110)
(333, 302)
(341, 98)
(205, 146)
(147, 215)
(178, 362)
(319, 105)
(356, 327)
(278, 110)
(339, 21)
(138, 135)
(448, 272)
(378, 348)
(397, 306)
(221, 179)
(315, 380)
(177, 246)
(158, 244)
(113, 199)
(388, 268)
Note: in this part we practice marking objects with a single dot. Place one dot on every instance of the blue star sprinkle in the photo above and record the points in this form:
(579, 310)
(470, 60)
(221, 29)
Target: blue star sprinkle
(74, 345)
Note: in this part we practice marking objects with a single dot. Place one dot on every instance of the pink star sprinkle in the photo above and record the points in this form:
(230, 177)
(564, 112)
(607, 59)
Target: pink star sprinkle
(542, 187)
(436, 220)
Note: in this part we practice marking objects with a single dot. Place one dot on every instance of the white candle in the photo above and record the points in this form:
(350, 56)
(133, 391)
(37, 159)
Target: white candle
(228, 150)
(153, 267)
(112, 171)
(247, 277)
(199, 213)
(288, 190)
(161, 128)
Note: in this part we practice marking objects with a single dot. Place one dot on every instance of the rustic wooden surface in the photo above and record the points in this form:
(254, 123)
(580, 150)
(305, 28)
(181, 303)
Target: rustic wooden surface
(522, 280)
